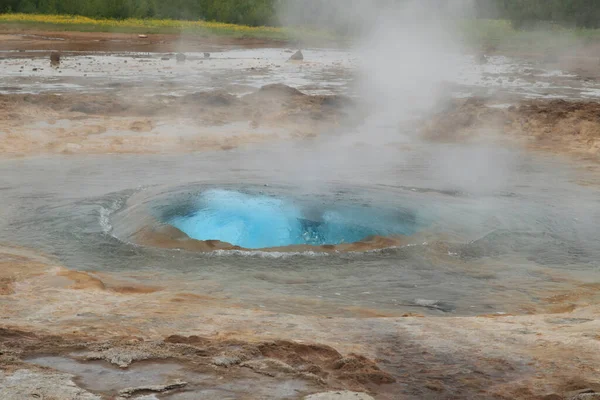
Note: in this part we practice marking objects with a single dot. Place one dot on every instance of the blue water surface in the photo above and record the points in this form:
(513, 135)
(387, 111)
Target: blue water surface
(261, 221)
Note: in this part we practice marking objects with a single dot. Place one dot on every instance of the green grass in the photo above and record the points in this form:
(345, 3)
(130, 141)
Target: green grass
(500, 35)
(487, 34)
(154, 26)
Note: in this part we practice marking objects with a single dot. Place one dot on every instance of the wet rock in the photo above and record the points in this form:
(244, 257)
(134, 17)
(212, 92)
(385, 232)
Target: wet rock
(122, 357)
(180, 57)
(434, 305)
(339, 395)
(269, 367)
(297, 56)
(127, 393)
(26, 384)
(226, 361)
(206, 55)
(54, 59)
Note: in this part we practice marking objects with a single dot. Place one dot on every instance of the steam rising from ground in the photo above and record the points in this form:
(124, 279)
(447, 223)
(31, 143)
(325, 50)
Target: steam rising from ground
(406, 53)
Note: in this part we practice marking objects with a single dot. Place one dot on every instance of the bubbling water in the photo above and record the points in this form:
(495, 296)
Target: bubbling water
(263, 221)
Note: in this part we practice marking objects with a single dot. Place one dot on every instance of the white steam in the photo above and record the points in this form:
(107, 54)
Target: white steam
(407, 51)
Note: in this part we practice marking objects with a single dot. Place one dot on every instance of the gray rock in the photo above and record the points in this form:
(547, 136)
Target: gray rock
(26, 384)
(178, 384)
(180, 57)
(297, 56)
(269, 367)
(226, 361)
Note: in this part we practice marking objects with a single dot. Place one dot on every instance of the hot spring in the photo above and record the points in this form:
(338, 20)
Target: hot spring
(262, 221)
(360, 245)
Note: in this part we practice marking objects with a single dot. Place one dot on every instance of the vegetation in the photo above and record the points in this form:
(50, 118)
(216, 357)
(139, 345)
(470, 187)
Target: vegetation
(522, 13)
(526, 14)
(244, 12)
(136, 25)
(504, 37)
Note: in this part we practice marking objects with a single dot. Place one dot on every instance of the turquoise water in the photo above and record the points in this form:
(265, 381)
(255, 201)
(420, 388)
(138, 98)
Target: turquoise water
(474, 252)
(262, 221)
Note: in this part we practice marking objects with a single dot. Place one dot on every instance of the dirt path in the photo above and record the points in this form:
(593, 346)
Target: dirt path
(15, 39)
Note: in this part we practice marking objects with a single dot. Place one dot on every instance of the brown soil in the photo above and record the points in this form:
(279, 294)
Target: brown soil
(49, 310)
(22, 39)
(88, 316)
(322, 367)
(169, 237)
(91, 116)
(571, 127)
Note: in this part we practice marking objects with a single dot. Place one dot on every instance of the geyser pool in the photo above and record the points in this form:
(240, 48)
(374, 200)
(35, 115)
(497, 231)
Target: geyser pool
(255, 221)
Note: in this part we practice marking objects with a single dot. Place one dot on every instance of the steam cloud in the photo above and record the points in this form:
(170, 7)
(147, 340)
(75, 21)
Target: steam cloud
(406, 51)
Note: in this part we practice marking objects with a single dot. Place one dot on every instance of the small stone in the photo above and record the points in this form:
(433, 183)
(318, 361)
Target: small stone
(180, 57)
(206, 55)
(54, 59)
(226, 362)
(297, 56)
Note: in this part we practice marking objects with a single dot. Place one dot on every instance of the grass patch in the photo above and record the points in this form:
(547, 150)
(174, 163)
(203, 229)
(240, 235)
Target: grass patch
(157, 26)
(500, 35)
(484, 33)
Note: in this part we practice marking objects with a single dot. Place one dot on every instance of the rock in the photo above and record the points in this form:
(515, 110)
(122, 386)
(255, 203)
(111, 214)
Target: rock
(225, 361)
(142, 36)
(339, 395)
(127, 393)
(180, 57)
(434, 305)
(26, 384)
(54, 59)
(297, 56)
(583, 394)
(206, 55)
(269, 367)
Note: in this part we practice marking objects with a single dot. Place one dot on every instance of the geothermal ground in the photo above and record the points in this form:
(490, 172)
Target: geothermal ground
(490, 289)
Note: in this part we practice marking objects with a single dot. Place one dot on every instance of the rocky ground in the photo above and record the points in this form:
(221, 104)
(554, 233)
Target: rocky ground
(127, 123)
(57, 321)
(66, 334)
